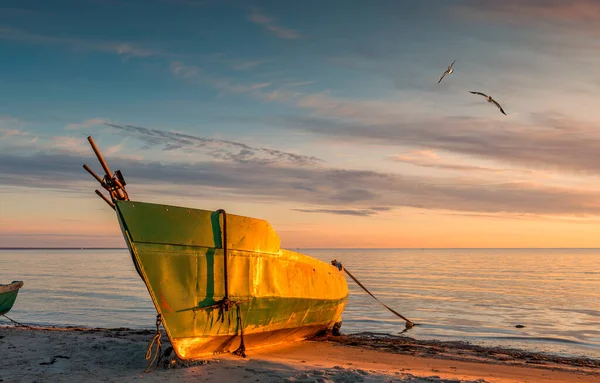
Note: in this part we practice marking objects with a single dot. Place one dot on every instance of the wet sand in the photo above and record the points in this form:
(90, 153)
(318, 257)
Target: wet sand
(118, 355)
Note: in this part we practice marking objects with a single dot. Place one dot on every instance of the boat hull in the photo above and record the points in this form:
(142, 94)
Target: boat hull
(8, 295)
(278, 295)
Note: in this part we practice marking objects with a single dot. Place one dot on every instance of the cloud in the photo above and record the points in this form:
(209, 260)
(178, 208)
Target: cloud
(430, 159)
(354, 212)
(331, 188)
(257, 17)
(123, 49)
(12, 129)
(299, 83)
(546, 141)
(320, 103)
(86, 124)
(196, 73)
(558, 10)
(553, 142)
(219, 149)
(185, 71)
(576, 15)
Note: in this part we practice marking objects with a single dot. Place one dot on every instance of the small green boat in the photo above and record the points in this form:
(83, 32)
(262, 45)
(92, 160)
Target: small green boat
(220, 282)
(8, 295)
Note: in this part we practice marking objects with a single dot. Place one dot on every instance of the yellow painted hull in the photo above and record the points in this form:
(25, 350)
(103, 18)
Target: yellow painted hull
(282, 295)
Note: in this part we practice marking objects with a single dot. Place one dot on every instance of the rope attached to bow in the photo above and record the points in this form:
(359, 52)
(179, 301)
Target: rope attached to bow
(156, 340)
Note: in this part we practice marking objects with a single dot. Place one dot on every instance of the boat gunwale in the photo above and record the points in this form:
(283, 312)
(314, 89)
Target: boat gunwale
(13, 286)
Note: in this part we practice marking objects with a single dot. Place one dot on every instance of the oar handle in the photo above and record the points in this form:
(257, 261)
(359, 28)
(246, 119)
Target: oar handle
(96, 176)
(109, 202)
(99, 156)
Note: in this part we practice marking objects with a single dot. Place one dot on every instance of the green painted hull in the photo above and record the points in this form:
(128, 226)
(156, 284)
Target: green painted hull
(8, 295)
(281, 295)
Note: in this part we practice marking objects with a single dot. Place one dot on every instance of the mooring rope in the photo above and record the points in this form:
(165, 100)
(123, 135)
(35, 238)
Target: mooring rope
(241, 351)
(17, 323)
(158, 345)
(409, 323)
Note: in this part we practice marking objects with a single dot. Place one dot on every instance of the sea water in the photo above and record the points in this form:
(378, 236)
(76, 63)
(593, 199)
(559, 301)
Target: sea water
(475, 295)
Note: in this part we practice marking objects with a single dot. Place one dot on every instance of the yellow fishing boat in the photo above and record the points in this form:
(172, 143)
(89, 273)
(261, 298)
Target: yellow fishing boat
(221, 282)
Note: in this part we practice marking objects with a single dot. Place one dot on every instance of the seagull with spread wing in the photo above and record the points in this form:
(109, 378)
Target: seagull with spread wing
(490, 99)
(448, 71)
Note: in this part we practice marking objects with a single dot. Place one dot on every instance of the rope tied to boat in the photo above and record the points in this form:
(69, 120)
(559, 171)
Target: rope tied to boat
(409, 323)
(17, 323)
(241, 350)
(155, 339)
(226, 304)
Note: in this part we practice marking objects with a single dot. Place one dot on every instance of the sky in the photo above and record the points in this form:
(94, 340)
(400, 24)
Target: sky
(323, 117)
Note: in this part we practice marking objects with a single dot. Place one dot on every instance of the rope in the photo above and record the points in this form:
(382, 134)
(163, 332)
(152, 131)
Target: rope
(224, 245)
(17, 323)
(241, 351)
(225, 304)
(409, 323)
(158, 345)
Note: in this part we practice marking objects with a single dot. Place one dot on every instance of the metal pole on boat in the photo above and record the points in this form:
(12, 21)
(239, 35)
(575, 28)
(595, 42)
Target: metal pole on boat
(96, 176)
(120, 191)
(99, 156)
(224, 245)
(105, 199)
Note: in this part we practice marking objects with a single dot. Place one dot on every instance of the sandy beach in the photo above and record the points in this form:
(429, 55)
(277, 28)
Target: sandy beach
(118, 355)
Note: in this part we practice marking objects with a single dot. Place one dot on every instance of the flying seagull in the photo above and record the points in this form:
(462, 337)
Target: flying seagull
(448, 71)
(490, 99)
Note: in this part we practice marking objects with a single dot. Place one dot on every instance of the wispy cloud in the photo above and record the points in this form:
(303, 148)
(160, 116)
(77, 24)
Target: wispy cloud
(558, 10)
(258, 17)
(219, 149)
(320, 103)
(12, 128)
(545, 141)
(354, 212)
(181, 70)
(331, 188)
(430, 159)
(299, 83)
(197, 74)
(577, 15)
(120, 48)
(86, 124)
(553, 143)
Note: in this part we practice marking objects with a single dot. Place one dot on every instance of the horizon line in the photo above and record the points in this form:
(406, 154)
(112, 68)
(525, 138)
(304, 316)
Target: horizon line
(327, 248)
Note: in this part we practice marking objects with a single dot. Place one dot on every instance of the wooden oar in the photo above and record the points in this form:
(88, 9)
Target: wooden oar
(105, 198)
(119, 192)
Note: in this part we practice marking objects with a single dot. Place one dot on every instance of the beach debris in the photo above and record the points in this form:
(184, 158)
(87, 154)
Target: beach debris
(448, 71)
(490, 100)
(339, 374)
(519, 326)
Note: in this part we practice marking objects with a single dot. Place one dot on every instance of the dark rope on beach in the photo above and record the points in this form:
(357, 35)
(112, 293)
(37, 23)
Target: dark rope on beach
(409, 323)
(158, 346)
(17, 323)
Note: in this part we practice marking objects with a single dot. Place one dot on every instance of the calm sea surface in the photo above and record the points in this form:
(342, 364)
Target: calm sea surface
(478, 295)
